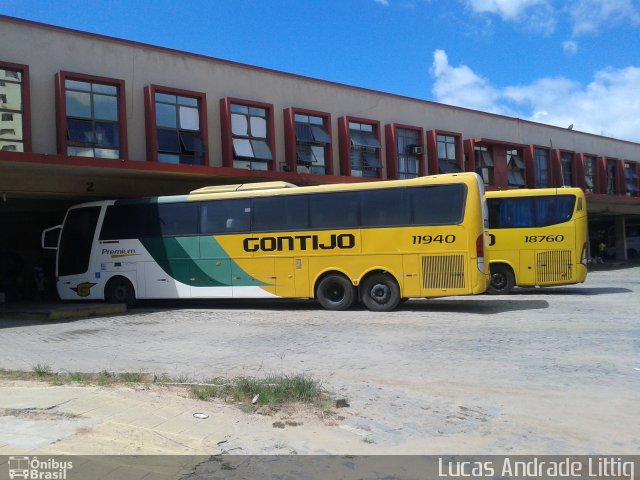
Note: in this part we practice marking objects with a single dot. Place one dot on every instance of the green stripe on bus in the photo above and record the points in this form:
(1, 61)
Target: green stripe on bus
(197, 262)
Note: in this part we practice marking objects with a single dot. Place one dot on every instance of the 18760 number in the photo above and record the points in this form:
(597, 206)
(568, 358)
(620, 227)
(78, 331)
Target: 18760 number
(543, 238)
(427, 239)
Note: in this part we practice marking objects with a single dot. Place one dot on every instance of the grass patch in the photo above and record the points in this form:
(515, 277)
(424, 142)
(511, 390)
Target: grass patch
(41, 370)
(272, 390)
(132, 377)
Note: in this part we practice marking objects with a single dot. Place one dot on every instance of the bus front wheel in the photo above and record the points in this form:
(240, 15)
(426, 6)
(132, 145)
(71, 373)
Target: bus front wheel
(380, 292)
(120, 290)
(335, 292)
(502, 280)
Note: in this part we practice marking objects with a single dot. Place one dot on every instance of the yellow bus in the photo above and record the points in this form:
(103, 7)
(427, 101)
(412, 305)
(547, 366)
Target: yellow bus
(377, 242)
(537, 238)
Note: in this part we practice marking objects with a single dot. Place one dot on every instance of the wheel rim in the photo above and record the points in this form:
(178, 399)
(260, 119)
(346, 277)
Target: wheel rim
(335, 292)
(121, 292)
(499, 281)
(380, 293)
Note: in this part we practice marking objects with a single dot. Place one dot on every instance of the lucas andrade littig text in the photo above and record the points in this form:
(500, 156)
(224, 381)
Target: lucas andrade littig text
(591, 467)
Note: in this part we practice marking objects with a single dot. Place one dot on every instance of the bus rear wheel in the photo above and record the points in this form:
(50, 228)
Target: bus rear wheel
(502, 280)
(380, 292)
(335, 292)
(120, 290)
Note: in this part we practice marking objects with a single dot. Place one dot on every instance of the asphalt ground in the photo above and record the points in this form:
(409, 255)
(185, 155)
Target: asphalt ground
(539, 371)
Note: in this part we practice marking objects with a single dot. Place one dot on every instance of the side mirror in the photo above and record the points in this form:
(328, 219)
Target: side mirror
(50, 238)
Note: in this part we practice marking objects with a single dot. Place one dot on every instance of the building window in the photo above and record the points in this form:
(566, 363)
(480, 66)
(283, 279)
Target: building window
(92, 119)
(180, 126)
(91, 116)
(631, 179)
(249, 131)
(611, 177)
(589, 173)
(515, 168)
(541, 159)
(365, 150)
(484, 164)
(12, 110)
(410, 152)
(566, 164)
(447, 154)
(312, 144)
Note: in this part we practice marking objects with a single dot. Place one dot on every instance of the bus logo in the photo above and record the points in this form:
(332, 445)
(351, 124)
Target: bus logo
(18, 467)
(299, 242)
(83, 289)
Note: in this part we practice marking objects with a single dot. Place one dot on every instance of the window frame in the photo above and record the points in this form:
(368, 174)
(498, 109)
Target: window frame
(61, 109)
(26, 103)
(344, 138)
(226, 133)
(432, 150)
(291, 139)
(481, 163)
(151, 127)
(562, 160)
(536, 170)
(393, 155)
(594, 173)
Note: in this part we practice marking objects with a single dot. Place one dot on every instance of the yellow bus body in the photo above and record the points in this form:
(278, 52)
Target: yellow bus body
(546, 255)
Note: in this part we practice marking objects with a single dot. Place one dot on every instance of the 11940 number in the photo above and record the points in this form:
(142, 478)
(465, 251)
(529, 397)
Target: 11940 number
(426, 239)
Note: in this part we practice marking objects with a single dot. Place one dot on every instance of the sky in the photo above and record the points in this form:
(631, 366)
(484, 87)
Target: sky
(558, 62)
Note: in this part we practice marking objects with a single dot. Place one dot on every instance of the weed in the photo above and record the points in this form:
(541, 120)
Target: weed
(132, 377)
(41, 370)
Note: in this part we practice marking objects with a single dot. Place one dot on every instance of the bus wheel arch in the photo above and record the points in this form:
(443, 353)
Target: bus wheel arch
(380, 291)
(119, 289)
(502, 279)
(334, 291)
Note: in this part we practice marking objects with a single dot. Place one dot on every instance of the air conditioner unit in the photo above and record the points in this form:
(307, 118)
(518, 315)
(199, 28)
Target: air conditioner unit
(415, 149)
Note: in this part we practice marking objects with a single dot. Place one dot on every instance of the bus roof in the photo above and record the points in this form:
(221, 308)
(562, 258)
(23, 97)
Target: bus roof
(533, 192)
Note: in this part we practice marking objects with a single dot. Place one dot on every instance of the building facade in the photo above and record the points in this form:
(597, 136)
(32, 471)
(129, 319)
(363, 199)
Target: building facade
(85, 116)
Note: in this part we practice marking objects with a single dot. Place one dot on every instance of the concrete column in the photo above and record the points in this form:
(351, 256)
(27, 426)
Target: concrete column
(621, 238)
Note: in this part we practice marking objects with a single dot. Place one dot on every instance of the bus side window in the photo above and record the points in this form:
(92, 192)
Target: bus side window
(225, 216)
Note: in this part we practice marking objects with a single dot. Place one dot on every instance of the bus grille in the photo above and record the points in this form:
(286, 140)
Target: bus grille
(443, 271)
(554, 266)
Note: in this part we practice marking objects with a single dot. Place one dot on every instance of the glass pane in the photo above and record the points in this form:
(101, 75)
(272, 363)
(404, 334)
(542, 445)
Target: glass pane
(177, 218)
(381, 208)
(320, 135)
(107, 134)
(366, 128)
(78, 104)
(189, 118)
(77, 85)
(11, 146)
(261, 149)
(12, 75)
(303, 132)
(165, 97)
(80, 131)
(105, 107)
(11, 96)
(11, 126)
(316, 120)
(259, 112)
(168, 158)
(451, 151)
(239, 109)
(80, 152)
(303, 154)
(242, 147)
(225, 216)
(258, 127)
(280, 213)
(323, 210)
(102, 88)
(439, 205)
(107, 153)
(188, 101)
(317, 155)
(165, 115)
(442, 150)
(239, 125)
(191, 142)
(301, 118)
(168, 141)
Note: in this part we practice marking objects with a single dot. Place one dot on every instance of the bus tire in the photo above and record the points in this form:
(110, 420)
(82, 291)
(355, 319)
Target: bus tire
(502, 280)
(335, 292)
(380, 292)
(120, 290)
